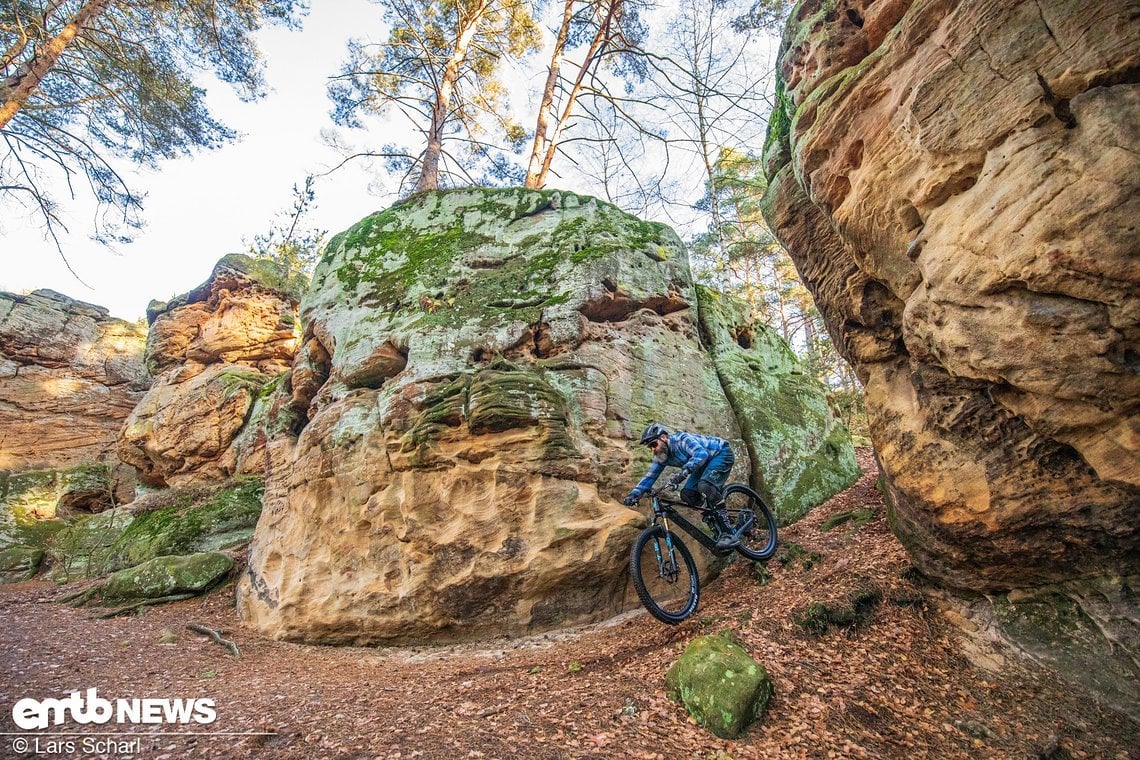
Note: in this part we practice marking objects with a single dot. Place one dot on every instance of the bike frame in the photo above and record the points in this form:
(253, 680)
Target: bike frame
(664, 509)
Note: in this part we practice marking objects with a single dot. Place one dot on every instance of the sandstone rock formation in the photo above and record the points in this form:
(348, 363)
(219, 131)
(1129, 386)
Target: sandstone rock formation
(215, 352)
(475, 365)
(69, 376)
(959, 184)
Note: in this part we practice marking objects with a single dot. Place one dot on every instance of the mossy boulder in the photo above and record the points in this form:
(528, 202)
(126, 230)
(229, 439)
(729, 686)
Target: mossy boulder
(801, 453)
(19, 563)
(30, 502)
(476, 367)
(166, 576)
(171, 522)
(720, 685)
(223, 520)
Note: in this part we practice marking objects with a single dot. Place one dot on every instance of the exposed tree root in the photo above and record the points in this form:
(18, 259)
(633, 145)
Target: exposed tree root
(145, 603)
(217, 638)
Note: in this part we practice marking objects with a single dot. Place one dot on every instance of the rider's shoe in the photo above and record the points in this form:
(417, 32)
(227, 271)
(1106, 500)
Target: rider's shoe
(726, 537)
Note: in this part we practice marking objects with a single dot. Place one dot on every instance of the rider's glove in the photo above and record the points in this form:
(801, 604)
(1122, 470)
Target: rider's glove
(679, 478)
(631, 500)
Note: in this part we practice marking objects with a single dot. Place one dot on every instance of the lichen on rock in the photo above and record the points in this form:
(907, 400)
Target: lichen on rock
(721, 686)
(801, 453)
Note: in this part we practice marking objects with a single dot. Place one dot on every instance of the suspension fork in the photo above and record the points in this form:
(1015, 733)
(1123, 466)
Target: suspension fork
(672, 562)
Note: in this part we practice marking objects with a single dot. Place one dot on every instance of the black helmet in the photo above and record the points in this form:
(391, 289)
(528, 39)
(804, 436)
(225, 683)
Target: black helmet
(653, 432)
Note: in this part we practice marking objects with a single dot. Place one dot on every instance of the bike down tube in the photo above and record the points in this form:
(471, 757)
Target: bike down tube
(694, 531)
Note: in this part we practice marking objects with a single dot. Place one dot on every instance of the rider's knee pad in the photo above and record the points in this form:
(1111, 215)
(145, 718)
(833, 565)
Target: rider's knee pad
(709, 491)
(691, 497)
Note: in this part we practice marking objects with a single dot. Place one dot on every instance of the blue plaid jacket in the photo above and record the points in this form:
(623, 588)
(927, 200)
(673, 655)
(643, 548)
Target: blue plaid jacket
(688, 451)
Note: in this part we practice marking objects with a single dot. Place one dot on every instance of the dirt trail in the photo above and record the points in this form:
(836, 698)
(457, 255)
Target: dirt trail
(896, 686)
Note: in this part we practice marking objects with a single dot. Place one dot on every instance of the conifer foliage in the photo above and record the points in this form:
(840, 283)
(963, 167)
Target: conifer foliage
(83, 82)
(439, 68)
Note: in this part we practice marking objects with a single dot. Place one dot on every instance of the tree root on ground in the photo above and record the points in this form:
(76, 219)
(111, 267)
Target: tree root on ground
(145, 603)
(217, 638)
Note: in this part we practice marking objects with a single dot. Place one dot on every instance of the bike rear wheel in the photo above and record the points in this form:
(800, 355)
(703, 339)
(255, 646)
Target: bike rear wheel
(758, 543)
(664, 575)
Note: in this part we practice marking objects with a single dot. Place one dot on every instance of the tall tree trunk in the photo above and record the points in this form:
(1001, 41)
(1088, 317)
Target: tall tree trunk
(429, 170)
(600, 41)
(535, 177)
(17, 88)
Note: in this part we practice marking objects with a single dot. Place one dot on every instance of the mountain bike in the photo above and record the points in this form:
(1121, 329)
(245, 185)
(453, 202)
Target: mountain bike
(662, 567)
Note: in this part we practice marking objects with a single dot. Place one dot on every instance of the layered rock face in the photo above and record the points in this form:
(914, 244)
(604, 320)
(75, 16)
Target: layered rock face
(69, 376)
(215, 352)
(958, 183)
(475, 365)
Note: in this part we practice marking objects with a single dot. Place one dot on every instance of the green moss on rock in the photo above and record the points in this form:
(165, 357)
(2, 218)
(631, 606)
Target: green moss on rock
(166, 576)
(182, 521)
(225, 520)
(19, 563)
(855, 610)
(720, 685)
(801, 454)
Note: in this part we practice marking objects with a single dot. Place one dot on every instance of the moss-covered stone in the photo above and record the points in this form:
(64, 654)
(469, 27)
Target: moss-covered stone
(29, 501)
(166, 576)
(19, 563)
(856, 517)
(720, 685)
(224, 520)
(801, 454)
(476, 269)
(854, 610)
(182, 521)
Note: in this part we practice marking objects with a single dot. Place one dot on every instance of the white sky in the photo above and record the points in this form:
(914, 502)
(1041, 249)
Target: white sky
(200, 208)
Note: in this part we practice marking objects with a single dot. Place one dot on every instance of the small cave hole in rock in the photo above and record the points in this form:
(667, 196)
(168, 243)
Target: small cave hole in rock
(744, 337)
(854, 17)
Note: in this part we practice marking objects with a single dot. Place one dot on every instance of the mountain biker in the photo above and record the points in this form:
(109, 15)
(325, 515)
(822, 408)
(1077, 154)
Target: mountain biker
(705, 462)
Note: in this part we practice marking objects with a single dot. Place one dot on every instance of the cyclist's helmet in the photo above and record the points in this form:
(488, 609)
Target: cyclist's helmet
(652, 433)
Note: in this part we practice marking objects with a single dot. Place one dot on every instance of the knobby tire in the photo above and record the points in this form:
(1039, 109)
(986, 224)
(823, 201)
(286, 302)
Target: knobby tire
(759, 543)
(689, 587)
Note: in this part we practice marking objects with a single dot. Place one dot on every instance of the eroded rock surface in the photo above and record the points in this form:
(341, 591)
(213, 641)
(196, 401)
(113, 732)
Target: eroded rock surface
(215, 352)
(69, 376)
(475, 365)
(958, 184)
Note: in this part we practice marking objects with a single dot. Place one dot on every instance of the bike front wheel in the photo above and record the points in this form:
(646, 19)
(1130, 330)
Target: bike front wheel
(758, 543)
(664, 575)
